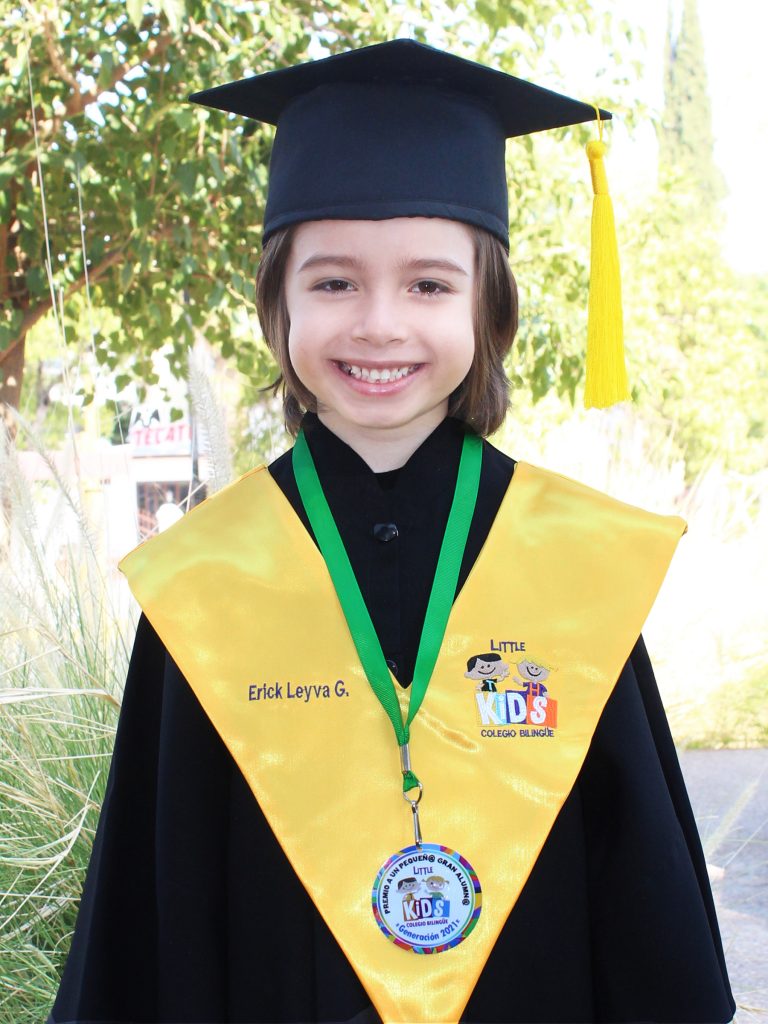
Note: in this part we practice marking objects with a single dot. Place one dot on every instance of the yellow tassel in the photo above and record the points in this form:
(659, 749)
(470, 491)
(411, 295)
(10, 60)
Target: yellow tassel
(606, 372)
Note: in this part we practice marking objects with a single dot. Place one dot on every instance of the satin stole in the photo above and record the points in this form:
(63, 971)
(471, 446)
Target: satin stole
(241, 598)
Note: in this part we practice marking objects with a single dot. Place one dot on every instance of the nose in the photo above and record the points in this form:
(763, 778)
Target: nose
(379, 320)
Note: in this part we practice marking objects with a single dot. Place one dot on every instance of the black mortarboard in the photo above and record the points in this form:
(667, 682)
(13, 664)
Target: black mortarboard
(403, 130)
(393, 130)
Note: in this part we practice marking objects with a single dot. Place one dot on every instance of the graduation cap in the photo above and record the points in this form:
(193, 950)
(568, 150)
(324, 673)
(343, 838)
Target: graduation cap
(401, 129)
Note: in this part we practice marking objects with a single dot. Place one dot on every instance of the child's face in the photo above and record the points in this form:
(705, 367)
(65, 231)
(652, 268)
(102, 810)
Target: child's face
(381, 320)
(484, 669)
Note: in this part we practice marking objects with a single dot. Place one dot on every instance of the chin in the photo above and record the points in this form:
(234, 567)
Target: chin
(382, 418)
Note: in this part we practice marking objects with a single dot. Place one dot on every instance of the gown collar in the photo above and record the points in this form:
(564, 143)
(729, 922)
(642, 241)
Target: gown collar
(427, 467)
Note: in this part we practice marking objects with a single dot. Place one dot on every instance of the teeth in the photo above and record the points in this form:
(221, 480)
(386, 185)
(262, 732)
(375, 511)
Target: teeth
(375, 376)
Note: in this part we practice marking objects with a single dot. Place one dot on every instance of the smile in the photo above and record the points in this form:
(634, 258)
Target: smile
(376, 376)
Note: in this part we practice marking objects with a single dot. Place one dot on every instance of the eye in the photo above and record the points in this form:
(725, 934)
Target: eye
(334, 284)
(429, 287)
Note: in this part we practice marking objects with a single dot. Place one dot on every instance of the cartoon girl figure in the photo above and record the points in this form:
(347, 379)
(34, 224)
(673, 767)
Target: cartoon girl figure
(436, 885)
(531, 678)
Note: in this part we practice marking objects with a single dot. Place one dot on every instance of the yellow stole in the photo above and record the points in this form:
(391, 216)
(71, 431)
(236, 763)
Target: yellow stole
(242, 599)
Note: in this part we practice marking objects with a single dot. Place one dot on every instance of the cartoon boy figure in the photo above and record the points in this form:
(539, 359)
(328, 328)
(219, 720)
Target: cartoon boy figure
(407, 887)
(531, 678)
(488, 669)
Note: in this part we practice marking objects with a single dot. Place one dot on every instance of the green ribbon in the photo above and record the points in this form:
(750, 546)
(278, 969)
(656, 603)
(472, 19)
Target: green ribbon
(348, 591)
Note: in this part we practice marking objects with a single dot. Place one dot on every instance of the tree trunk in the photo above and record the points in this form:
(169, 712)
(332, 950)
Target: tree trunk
(12, 373)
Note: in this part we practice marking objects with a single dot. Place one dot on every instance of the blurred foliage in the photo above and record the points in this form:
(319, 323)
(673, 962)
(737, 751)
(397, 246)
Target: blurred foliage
(172, 195)
(172, 199)
(721, 722)
(686, 137)
(65, 633)
(697, 334)
(697, 330)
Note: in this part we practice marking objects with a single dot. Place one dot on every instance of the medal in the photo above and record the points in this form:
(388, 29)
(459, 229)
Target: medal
(426, 898)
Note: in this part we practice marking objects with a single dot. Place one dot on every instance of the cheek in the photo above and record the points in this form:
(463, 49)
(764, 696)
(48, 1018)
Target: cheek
(300, 354)
(294, 345)
(453, 341)
(303, 333)
(316, 323)
(460, 327)
(463, 357)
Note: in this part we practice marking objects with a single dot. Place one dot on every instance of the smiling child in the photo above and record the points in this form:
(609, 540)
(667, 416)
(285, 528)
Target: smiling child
(255, 859)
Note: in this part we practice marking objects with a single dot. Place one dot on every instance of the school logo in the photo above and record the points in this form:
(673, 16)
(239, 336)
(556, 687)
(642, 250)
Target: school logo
(426, 898)
(511, 705)
(424, 901)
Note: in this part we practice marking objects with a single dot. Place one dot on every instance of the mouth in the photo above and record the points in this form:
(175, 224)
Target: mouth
(378, 374)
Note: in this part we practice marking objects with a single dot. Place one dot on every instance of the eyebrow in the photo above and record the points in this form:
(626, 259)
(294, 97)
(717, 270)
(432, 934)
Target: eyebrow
(322, 259)
(427, 263)
(433, 263)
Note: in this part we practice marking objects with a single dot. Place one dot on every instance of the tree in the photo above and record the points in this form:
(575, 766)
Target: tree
(172, 195)
(696, 329)
(686, 139)
(697, 337)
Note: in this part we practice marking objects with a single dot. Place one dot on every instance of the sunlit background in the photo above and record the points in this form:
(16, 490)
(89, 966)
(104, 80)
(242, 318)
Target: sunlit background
(134, 370)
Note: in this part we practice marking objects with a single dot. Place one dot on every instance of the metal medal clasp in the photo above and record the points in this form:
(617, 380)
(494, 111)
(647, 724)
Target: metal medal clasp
(405, 765)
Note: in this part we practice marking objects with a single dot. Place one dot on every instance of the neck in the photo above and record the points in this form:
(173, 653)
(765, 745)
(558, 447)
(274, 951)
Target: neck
(383, 449)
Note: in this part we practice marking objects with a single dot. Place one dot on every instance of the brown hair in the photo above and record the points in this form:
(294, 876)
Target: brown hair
(482, 398)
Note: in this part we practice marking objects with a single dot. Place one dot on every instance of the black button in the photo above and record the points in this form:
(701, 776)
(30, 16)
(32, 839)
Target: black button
(385, 532)
(392, 666)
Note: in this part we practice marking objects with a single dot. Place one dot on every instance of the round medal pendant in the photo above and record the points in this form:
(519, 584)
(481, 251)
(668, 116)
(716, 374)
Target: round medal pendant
(426, 898)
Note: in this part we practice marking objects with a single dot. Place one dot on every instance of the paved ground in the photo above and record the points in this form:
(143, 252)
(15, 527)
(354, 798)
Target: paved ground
(729, 793)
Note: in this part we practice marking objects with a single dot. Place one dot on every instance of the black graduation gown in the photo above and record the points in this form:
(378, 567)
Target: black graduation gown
(191, 912)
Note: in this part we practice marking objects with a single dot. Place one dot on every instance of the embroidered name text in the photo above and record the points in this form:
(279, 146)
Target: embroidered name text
(304, 692)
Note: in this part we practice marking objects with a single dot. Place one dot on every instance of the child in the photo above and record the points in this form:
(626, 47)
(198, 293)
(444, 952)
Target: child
(254, 854)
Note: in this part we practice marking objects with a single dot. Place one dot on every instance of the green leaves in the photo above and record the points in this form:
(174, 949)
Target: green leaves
(10, 322)
(186, 175)
(174, 11)
(37, 281)
(135, 9)
(173, 196)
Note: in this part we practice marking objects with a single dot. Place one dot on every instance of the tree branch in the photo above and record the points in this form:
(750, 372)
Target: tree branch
(36, 313)
(4, 235)
(55, 57)
(48, 124)
(78, 103)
